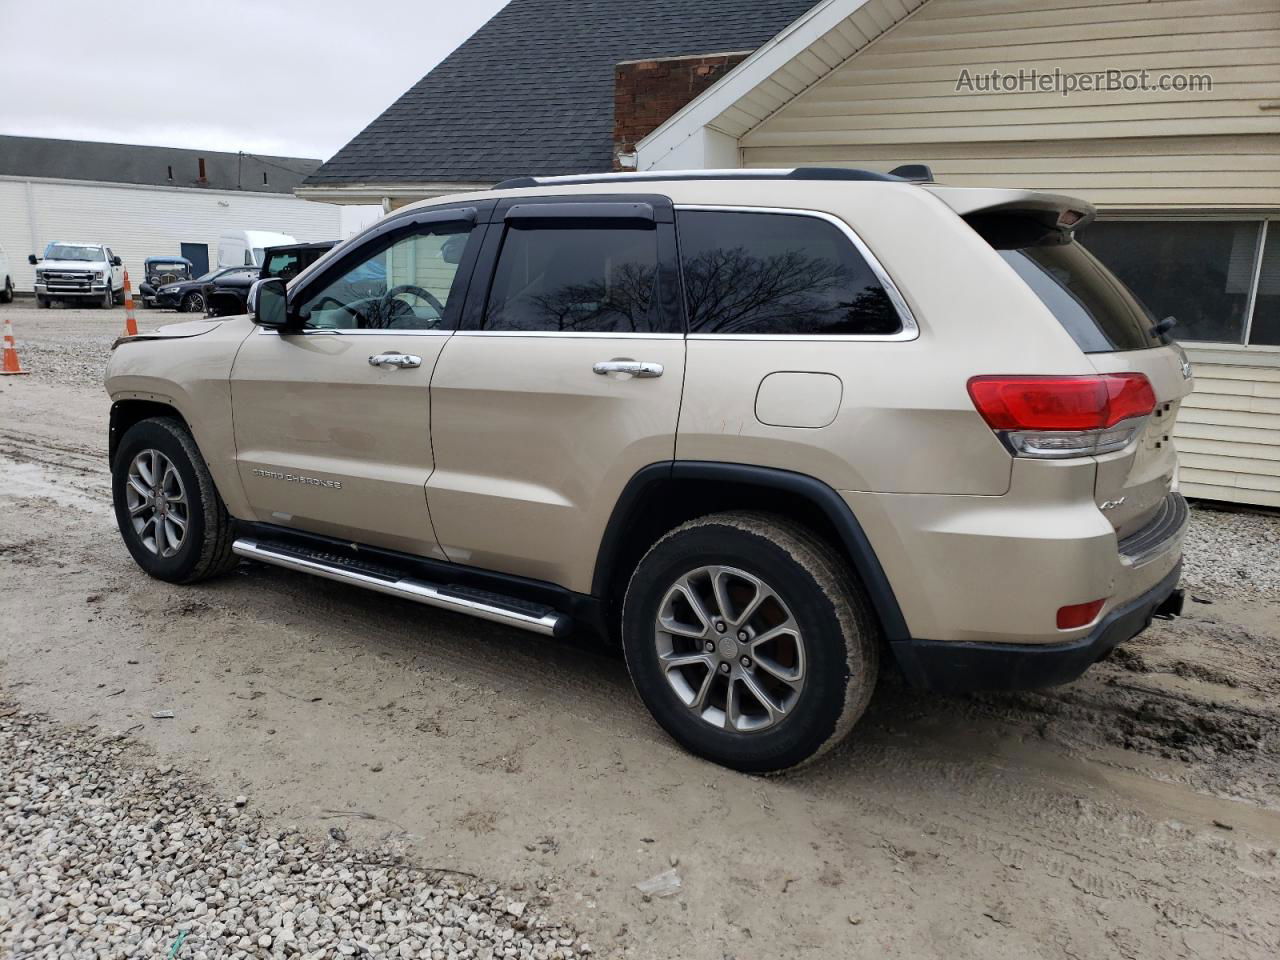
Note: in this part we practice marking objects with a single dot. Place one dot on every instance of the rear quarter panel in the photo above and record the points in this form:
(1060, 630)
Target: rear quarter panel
(905, 423)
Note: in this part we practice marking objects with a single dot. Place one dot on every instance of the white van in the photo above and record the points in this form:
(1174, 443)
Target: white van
(243, 248)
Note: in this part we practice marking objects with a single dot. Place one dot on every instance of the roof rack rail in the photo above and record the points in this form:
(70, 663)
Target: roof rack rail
(793, 173)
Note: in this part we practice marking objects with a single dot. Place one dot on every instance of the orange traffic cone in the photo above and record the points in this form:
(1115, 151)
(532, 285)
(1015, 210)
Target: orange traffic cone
(10, 365)
(130, 324)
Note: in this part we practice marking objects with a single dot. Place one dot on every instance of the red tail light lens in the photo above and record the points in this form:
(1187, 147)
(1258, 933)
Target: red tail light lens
(1079, 614)
(1062, 403)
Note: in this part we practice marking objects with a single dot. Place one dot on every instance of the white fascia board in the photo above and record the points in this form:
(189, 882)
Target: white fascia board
(375, 192)
(701, 111)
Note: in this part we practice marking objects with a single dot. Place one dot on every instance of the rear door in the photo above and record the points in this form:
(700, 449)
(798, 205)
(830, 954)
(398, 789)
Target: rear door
(563, 381)
(332, 421)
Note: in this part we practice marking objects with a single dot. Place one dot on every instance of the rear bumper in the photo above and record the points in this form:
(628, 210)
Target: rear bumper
(957, 667)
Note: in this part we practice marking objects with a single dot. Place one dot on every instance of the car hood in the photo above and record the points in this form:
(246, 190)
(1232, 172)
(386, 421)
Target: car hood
(174, 331)
(72, 265)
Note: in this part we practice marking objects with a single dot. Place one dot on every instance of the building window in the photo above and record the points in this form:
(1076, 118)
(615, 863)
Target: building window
(1201, 272)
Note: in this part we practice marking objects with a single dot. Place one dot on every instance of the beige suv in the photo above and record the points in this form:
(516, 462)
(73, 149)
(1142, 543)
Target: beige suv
(769, 429)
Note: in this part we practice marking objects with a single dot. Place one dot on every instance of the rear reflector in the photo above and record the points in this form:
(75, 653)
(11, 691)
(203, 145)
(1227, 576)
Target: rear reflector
(1079, 614)
(1062, 403)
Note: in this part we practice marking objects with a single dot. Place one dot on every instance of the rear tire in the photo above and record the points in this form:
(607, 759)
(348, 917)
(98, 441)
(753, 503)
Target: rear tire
(167, 508)
(785, 621)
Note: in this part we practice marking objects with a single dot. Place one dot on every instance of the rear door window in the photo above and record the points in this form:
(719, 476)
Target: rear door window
(576, 278)
(749, 273)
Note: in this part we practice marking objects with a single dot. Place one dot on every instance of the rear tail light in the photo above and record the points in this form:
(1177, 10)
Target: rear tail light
(1079, 614)
(1057, 417)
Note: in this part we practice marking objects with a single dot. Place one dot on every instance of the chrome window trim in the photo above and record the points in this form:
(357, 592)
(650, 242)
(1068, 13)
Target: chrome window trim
(571, 334)
(910, 329)
(332, 331)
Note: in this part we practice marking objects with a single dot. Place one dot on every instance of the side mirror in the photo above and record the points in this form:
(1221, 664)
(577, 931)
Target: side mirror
(32, 259)
(268, 302)
(117, 262)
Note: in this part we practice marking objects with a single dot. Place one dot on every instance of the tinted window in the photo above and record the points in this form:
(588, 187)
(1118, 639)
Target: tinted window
(283, 264)
(1198, 272)
(753, 273)
(1095, 308)
(575, 279)
(400, 285)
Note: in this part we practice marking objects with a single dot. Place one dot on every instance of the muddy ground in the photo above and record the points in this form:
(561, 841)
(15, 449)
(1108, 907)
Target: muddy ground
(1134, 813)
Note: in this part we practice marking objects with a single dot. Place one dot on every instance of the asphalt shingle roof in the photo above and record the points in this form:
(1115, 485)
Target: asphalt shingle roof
(531, 92)
(135, 163)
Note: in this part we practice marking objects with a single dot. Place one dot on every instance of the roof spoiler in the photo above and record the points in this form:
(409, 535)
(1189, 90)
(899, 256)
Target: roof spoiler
(1054, 212)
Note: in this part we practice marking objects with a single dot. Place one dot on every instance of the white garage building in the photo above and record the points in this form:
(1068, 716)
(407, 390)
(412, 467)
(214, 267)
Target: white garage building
(147, 201)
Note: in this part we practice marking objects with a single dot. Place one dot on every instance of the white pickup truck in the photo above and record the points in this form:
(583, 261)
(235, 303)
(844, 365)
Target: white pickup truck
(71, 272)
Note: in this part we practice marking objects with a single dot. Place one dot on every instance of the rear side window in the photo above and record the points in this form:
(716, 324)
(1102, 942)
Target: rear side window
(778, 273)
(575, 279)
(1100, 313)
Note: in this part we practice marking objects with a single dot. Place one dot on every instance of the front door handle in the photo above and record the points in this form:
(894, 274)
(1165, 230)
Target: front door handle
(637, 368)
(395, 360)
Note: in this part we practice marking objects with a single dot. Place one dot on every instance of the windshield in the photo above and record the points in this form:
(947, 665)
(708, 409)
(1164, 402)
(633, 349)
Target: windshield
(71, 251)
(210, 275)
(160, 268)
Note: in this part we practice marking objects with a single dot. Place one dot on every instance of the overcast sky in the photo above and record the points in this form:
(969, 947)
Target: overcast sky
(287, 77)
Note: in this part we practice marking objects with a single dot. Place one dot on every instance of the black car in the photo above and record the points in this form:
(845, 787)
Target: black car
(161, 271)
(226, 299)
(189, 296)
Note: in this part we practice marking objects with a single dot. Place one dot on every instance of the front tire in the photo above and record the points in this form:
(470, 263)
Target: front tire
(42, 303)
(6, 294)
(167, 508)
(750, 641)
(192, 303)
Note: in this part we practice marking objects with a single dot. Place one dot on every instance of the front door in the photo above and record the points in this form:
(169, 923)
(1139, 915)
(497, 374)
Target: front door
(561, 384)
(332, 419)
(198, 254)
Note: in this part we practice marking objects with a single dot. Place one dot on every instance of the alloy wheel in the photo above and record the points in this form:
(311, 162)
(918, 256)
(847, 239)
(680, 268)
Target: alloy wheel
(157, 502)
(730, 649)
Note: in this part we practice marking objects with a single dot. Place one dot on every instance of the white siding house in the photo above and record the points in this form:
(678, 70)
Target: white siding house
(1187, 179)
(146, 201)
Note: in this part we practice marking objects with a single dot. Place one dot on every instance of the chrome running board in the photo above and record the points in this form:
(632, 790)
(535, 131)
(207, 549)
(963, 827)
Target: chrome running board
(511, 611)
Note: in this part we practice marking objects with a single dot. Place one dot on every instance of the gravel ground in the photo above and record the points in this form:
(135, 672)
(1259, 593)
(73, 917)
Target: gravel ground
(70, 345)
(103, 857)
(1233, 552)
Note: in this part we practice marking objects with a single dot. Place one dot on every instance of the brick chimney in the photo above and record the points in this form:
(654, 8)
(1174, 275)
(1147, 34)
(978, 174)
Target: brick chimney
(647, 92)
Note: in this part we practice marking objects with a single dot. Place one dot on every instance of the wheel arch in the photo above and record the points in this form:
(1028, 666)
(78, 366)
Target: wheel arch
(663, 495)
(126, 412)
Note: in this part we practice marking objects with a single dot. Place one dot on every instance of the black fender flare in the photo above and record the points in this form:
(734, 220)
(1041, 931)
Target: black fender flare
(852, 537)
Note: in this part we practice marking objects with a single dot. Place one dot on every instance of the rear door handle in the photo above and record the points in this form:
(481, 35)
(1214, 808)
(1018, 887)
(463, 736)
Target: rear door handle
(637, 368)
(395, 360)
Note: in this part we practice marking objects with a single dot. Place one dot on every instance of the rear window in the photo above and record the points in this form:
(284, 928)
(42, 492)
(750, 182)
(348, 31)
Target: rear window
(1100, 313)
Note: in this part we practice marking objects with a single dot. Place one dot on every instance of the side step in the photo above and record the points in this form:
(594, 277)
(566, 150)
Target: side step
(511, 611)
